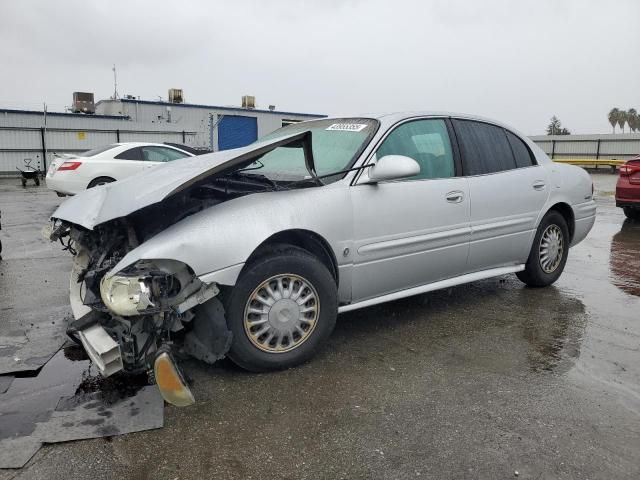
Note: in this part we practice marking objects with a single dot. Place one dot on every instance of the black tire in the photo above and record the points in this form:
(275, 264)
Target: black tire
(24, 183)
(632, 213)
(37, 180)
(534, 275)
(282, 260)
(100, 181)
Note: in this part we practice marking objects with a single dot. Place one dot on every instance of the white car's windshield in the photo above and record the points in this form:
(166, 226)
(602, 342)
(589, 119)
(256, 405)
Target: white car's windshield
(336, 143)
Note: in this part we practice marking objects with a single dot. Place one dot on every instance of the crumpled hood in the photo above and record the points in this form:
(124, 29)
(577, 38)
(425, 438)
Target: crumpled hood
(114, 200)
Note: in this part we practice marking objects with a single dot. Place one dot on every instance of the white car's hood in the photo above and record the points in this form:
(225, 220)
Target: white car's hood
(101, 204)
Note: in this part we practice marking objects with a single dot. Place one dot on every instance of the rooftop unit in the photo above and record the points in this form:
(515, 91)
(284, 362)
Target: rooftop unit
(248, 101)
(175, 95)
(83, 103)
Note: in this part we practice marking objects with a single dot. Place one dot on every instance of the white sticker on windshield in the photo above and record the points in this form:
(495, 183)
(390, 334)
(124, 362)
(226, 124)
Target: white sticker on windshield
(348, 127)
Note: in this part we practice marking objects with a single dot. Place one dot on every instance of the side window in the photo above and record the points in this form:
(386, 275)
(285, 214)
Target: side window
(161, 154)
(427, 142)
(484, 147)
(131, 154)
(524, 157)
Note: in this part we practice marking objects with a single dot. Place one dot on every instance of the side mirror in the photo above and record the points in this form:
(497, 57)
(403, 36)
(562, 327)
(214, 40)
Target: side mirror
(393, 167)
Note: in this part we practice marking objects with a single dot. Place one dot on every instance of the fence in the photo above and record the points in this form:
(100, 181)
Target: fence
(40, 144)
(596, 147)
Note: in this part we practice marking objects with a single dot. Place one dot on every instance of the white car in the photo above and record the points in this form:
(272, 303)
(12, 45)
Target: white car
(71, 174)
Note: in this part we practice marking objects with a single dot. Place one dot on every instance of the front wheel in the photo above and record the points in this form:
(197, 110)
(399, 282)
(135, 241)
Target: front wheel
(281, 311)
(549, 252)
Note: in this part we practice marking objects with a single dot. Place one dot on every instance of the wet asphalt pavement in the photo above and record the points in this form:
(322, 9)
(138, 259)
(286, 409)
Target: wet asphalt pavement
(477, 381)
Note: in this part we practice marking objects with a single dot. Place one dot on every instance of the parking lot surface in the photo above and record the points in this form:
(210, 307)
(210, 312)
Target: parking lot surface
(486, 380)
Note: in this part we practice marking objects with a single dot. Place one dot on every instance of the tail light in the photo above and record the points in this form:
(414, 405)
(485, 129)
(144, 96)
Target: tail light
(629, 169)
(69, 166)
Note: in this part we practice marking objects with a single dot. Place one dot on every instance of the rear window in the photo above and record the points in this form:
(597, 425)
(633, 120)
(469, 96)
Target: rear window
(485, 148)
(522, 154)
(96, 151)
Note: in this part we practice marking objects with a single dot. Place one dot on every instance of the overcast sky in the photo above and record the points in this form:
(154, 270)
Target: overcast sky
(516, 61)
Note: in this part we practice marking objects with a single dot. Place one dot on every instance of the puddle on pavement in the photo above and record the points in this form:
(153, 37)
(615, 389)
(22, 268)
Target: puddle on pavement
(624, 258)
(67, 400)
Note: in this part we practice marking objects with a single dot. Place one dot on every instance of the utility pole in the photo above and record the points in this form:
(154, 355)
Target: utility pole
(44, 138)
(115, 83)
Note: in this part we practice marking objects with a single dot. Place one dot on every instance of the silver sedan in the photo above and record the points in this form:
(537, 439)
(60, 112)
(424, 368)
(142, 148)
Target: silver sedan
(252, 253)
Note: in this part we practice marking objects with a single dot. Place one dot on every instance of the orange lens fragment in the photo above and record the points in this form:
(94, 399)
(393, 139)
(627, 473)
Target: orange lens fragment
(170, 382)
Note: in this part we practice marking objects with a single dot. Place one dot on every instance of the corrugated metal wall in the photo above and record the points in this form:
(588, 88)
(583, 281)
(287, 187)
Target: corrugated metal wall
(198, 118)
(20, 143)
(21, 132)
(606, 146)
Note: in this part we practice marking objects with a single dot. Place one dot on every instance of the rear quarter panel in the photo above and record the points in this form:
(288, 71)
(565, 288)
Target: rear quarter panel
(573, 185)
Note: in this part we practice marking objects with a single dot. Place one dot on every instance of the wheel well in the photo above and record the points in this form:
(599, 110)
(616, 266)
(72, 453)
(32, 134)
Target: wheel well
(93, 182)
(567, 212)
(305, 239)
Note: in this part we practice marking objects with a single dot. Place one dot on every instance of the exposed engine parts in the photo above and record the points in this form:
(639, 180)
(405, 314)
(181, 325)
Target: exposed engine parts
(147, 307)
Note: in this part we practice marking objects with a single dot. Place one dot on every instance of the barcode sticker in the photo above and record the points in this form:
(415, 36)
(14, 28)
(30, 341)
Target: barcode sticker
(347, 127)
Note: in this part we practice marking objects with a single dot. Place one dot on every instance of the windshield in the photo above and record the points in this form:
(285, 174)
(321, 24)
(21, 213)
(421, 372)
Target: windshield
(336, 144)
(96, 151)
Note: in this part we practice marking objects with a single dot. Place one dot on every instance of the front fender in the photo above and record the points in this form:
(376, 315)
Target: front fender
(217, 241)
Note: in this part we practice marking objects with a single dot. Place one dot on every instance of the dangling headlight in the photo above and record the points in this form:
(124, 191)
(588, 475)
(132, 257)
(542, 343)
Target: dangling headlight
(148, 286)
(126, 295)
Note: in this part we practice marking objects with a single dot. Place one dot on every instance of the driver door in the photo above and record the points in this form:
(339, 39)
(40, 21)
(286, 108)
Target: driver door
(413, 231)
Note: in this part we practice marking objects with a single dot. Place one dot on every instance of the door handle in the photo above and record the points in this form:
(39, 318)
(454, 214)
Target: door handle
(454, 197)
(539, 185)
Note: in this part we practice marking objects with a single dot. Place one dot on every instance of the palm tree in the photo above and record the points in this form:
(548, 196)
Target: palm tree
(622, 119)
(633, 120)
(613, 118)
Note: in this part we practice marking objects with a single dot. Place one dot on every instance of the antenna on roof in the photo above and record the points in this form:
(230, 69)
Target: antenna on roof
(115, 83)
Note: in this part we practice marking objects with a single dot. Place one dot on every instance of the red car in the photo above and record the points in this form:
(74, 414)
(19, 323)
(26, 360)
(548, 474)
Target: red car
(628, 188)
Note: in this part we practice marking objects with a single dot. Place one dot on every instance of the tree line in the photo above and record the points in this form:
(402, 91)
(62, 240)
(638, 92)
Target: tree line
(555, 127)
(621, 117)
(616, 117)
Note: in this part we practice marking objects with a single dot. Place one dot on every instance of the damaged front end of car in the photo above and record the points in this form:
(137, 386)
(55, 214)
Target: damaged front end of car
(139, 313)
(140, 318)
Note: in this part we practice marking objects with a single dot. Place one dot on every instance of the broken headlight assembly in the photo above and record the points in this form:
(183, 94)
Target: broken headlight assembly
(145, 288)
(126, 296)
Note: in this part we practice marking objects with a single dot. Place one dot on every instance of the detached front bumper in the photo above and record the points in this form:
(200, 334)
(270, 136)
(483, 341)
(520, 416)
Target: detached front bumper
(105, 354)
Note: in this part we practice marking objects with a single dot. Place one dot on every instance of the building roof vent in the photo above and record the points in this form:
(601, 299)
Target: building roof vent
(175, 95)
(248, 101)
(83, 103)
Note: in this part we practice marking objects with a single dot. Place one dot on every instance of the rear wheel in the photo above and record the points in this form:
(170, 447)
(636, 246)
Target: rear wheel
(100, 181)
(281, 311)
(549, 252)
(632, 213)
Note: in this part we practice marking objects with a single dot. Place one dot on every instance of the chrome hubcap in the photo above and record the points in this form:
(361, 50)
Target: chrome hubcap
(281, 313)
(551, 248)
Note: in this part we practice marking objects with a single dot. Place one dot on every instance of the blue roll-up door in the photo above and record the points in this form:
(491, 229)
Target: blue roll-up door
(235, 131)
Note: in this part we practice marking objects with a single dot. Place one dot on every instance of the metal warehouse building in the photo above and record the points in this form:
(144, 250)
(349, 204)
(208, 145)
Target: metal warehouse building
(37, 135)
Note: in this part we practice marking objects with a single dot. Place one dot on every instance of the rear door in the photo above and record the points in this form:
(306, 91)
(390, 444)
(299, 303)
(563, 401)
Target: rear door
(507, 191)
(413, 231)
